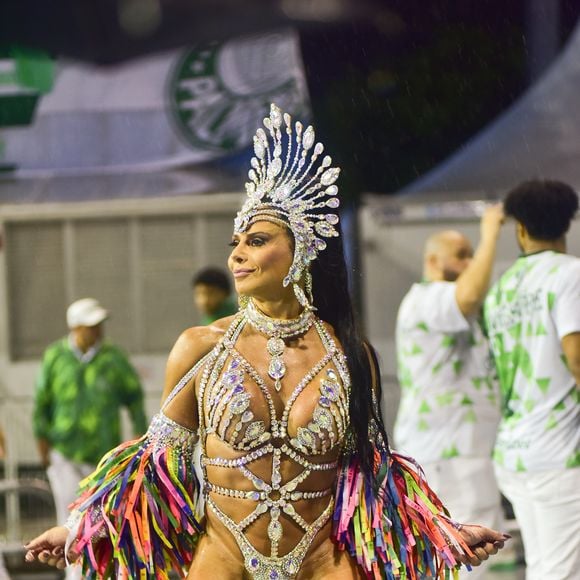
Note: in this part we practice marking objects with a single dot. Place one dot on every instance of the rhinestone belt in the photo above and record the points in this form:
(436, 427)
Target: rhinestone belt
(267, 567)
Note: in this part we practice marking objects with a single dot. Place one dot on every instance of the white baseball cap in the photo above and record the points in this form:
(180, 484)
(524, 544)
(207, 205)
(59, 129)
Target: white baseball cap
(85, 312)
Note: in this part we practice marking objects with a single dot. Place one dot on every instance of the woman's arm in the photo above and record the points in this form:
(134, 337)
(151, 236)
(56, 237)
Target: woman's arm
(142, 481)
(179, 401)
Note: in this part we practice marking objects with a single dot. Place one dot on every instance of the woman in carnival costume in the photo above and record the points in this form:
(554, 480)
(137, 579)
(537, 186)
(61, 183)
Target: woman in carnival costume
(298, 477)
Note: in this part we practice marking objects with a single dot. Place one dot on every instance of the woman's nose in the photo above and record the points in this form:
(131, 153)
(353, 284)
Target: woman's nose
(237, 255)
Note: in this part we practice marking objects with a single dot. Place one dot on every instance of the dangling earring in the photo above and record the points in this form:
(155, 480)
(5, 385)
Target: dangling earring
(309, 288)
(305, 299)
(243, 301)
(300, 296)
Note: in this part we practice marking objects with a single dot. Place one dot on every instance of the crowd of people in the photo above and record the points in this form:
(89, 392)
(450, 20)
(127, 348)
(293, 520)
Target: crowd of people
(449, 409)
(489, 377)
(298, 476)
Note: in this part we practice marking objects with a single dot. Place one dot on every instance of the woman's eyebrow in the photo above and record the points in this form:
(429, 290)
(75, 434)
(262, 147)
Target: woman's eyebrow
(259, 233)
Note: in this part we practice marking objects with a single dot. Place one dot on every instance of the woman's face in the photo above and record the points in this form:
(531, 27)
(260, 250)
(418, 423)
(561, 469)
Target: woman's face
(260, 259)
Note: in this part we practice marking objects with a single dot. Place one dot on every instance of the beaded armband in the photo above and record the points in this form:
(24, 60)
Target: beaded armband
(164, 433)
(72, 522)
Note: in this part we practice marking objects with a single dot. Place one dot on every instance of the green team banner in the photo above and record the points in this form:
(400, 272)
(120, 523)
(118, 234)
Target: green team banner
(163, 111)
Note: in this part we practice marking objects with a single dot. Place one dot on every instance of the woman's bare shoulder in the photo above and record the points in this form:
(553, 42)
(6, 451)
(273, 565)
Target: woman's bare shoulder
(222, 324)
(195, 342)
(191, 346)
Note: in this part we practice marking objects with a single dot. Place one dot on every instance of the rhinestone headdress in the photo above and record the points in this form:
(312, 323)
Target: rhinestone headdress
(291, 188)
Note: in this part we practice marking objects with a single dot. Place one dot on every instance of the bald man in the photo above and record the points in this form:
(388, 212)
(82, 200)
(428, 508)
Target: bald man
(449, 409)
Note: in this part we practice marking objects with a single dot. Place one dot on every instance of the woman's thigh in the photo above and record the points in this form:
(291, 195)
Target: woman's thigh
(327, 563)
(215, 559)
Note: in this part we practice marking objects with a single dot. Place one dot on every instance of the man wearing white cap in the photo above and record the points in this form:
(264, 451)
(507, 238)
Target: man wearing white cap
(83, 383)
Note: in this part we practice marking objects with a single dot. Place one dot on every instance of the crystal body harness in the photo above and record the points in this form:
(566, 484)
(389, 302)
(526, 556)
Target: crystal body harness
(138, 516)
(225, 411)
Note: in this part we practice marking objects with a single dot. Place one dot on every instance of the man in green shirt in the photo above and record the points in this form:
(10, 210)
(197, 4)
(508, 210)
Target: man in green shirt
(532, 316)
(83, 383)
(212, 295)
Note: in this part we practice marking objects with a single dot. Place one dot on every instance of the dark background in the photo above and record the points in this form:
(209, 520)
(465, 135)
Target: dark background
(395, 85)
(396, 95)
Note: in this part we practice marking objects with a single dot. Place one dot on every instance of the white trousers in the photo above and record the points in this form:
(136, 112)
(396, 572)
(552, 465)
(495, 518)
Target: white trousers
(547, 507)
(3, 571)
(64, 477)
(468, 489)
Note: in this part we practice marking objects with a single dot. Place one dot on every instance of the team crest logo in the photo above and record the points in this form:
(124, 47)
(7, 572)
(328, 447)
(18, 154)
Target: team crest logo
(219, 93)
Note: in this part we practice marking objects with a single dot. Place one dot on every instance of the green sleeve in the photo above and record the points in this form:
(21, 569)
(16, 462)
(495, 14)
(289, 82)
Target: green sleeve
(132, 395)
(43, 400)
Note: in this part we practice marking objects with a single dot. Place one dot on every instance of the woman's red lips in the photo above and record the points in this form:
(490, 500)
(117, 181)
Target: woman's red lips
(242, 272)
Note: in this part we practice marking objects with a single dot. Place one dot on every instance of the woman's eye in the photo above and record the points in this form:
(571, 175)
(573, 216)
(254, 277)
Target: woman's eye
(257, 242)
(233, 244)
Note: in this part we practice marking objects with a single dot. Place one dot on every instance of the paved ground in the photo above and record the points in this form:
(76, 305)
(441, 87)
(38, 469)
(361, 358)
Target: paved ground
(506, 572)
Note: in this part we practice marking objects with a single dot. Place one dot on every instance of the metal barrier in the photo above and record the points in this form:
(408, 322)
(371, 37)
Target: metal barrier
(26, 509)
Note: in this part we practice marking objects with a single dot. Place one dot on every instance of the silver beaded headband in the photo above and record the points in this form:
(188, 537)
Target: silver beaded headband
(286, 189)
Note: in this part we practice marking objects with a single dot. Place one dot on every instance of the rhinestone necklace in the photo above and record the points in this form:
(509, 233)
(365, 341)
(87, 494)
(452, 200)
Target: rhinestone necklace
(277, 330)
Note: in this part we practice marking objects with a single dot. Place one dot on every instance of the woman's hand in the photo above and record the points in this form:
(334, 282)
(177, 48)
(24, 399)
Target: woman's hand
(48, 548)
(482, 541)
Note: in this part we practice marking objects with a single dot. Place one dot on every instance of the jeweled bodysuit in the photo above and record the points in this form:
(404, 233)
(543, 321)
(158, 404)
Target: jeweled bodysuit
(138, 514)
(225, 411)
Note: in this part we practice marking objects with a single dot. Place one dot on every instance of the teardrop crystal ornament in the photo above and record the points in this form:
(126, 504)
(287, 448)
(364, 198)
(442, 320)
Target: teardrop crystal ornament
(330, 176)
(277, 368)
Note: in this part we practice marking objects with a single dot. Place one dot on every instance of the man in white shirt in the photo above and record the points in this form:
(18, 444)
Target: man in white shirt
(449, 410)
(532, 315)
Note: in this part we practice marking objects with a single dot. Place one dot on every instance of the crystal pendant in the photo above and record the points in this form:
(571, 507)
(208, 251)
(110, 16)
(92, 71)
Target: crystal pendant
(306, 437)
(277, 369)
(291, 566)
(279, 330)
(275, 530)
(275, 346)
(253, 564)
(323, 418)
(239, 404)
(330, 390)
(254, 430)
(276, 476)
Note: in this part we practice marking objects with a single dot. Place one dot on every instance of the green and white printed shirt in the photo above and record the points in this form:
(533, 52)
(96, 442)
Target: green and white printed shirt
(449, 396)
(527, 313)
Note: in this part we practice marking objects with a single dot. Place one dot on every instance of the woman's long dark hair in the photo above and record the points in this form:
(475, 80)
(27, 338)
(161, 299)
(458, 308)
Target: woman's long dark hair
(334, 305)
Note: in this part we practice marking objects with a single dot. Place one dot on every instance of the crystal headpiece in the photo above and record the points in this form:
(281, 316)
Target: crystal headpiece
(291, 187)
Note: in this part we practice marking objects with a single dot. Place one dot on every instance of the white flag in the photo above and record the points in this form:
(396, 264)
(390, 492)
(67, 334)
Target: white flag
(158, 112)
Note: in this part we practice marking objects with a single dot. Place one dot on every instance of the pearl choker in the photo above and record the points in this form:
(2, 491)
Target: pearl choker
(277, 330)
